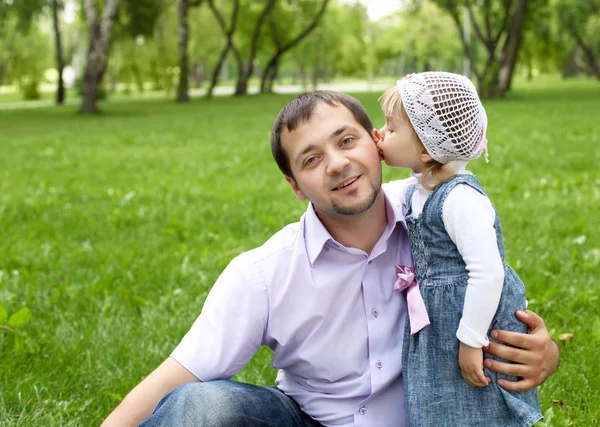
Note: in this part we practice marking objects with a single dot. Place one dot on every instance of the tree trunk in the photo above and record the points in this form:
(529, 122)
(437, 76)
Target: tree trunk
(303, 79)
(273, 77)
(590, 59)
(268, 77)
(97, 57)
(244, 74)
(199, 75)
(511, 49)
(228, 44)
(217, 72)
(182, 89)
(273, 62)
(60, 65)
(247, 69)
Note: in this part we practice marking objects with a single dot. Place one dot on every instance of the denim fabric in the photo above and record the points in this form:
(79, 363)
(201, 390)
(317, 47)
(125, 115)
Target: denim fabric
(227, 404)
(435, 392)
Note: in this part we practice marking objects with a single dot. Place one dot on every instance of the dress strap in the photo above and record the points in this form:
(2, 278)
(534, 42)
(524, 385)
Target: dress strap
(407, 199)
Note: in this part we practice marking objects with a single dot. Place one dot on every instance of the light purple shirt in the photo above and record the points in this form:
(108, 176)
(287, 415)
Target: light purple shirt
(330, 314)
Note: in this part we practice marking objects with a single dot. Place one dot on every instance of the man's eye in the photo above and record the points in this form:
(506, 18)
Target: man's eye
(309, 161)
(348, 140)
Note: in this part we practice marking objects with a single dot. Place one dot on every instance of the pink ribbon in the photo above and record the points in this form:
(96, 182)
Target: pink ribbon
(417, 313)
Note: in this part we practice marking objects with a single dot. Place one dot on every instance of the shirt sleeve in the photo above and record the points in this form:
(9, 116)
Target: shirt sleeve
(469, 220)
(230, 328)
(397, 189)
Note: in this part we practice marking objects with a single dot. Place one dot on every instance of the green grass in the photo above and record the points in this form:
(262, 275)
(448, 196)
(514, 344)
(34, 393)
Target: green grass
(114, 228)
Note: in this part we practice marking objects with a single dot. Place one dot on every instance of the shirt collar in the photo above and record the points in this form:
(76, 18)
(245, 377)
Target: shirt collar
(316, 235)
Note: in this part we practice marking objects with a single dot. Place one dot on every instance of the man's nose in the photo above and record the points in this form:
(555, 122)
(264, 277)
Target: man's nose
(337, 163)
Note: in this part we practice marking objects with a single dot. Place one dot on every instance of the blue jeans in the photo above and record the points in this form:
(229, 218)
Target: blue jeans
(227, 404)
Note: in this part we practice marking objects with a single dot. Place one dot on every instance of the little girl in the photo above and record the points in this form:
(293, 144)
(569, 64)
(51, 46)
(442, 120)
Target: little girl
(435, 124)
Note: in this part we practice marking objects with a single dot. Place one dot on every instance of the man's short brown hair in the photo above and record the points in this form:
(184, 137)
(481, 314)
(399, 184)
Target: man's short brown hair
(299, 110)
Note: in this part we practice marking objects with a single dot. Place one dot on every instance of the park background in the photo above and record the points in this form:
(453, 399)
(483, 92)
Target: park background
(135, 164)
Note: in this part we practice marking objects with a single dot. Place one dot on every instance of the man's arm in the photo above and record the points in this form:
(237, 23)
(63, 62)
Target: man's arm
(141, 401)
(535, 357)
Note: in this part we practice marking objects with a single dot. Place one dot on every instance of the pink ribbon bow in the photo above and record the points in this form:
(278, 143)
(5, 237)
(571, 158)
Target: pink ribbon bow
(417, 312)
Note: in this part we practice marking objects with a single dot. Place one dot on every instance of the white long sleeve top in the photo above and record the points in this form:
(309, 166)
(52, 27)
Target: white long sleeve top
(469, 221)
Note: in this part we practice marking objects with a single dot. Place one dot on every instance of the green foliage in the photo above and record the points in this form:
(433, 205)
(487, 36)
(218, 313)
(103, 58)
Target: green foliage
(419, 39)
(336, 47)
(139, 17)
(31, 55)
(581, 21)
(29, 87)
(23, 10)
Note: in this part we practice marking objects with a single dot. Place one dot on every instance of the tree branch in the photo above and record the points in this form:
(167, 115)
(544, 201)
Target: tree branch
(226, 32)
(504, 24)
(485, 41)
(259, 23)
(90, 12)
(453, 11)
(589, 54)
(488, 25)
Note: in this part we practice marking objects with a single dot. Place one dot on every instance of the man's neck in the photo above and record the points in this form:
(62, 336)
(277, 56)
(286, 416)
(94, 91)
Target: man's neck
(358, 231)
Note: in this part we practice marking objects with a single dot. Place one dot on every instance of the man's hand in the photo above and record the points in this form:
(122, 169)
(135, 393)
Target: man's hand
(470, 360)
(536, 356)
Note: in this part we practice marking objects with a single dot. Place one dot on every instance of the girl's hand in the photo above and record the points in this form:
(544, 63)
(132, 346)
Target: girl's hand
(470, 360)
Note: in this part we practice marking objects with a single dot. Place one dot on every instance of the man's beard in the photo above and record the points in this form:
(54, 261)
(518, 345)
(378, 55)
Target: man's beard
(357, 210)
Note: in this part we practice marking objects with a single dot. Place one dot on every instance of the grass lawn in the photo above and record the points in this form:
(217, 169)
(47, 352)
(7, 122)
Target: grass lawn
(113, 229)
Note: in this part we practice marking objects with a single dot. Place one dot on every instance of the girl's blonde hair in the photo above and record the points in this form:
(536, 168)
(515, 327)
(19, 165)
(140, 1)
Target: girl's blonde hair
(391, 105)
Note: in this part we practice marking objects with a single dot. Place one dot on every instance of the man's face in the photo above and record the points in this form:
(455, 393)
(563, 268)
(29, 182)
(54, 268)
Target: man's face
(334, 161)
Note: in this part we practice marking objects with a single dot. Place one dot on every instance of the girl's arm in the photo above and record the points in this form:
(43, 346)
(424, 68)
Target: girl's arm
(469, 220)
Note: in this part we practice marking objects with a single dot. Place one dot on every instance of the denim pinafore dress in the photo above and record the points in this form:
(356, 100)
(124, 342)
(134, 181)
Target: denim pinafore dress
(436, 395)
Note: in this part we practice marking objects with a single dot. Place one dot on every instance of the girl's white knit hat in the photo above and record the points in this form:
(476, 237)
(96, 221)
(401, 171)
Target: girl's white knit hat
(446, 113)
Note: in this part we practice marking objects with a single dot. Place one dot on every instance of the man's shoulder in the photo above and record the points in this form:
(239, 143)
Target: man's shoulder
(276, 248)
(395, 190)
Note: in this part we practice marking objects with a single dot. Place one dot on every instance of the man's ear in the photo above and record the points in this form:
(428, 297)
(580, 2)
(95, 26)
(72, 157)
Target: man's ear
(299, 194)
(376, 136)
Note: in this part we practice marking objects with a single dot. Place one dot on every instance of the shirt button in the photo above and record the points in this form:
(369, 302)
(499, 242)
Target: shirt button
(362, 411)
(379, 364)
(375, 313)
(370, 261)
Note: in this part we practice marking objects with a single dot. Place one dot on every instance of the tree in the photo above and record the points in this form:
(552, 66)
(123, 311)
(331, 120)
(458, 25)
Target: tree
(252, 24)
(270, 71)
(331, 49)
(97, 56)
(184, 70)
(15, 18)
(417, 39)
(60, 63)
(581, 20)
(228, 43)
(498, 26)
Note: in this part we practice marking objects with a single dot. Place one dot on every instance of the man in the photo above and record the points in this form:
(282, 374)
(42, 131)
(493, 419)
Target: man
(320, 294)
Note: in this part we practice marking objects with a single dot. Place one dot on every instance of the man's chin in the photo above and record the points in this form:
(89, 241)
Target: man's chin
(356, 208)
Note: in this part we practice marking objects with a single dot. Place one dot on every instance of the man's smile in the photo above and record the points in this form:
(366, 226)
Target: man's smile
(346, 183)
